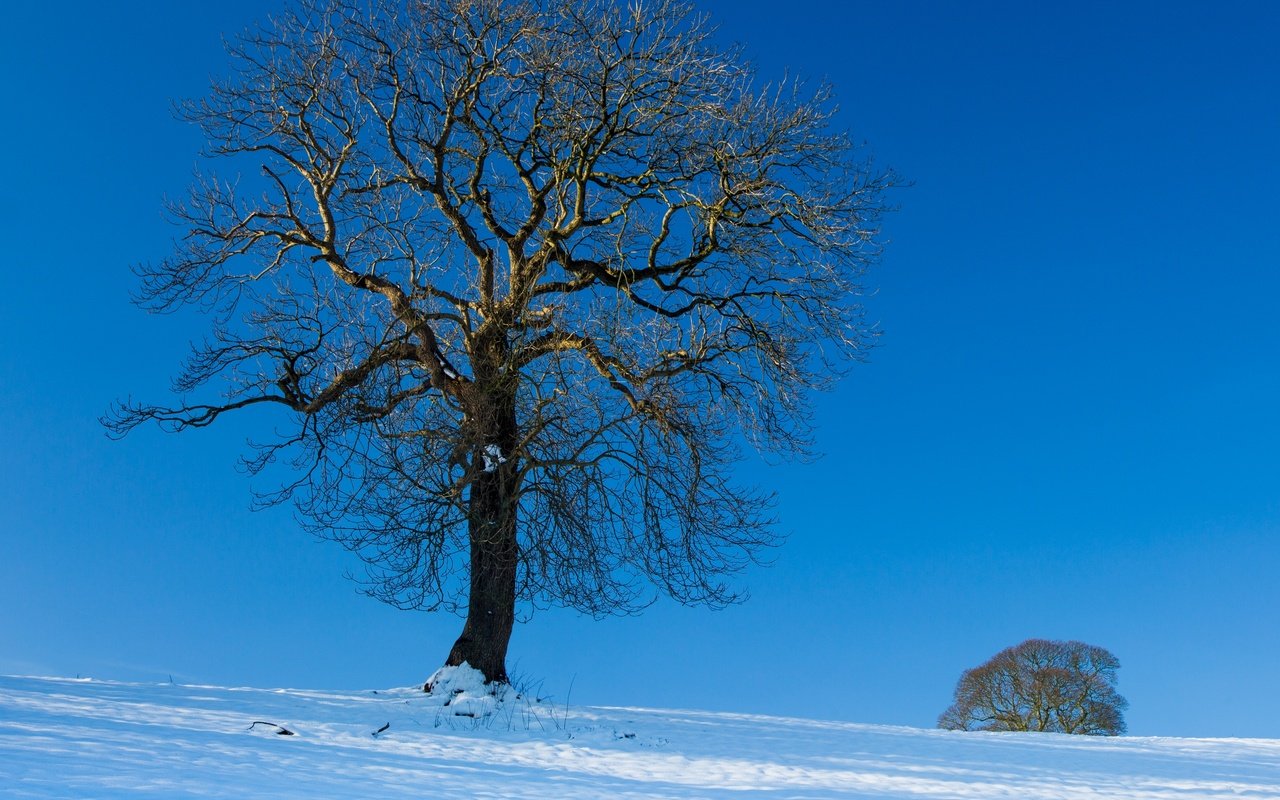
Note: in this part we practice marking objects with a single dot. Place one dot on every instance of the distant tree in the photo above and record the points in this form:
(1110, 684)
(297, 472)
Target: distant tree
(1039, 685)
(522, 274)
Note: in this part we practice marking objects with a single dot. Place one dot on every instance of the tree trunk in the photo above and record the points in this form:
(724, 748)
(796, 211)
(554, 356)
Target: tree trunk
(492, 604)
(491, 526)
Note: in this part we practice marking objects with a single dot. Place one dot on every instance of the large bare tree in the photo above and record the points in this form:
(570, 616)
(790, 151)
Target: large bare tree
(526, 275)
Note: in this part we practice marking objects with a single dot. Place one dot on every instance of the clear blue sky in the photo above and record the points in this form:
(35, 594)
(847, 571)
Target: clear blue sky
(1070, 431)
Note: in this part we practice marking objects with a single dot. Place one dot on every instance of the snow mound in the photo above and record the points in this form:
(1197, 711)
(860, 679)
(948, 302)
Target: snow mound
(461, 692)
(462, 689)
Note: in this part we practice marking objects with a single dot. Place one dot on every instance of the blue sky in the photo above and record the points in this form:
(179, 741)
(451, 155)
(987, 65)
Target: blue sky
(1069, 431)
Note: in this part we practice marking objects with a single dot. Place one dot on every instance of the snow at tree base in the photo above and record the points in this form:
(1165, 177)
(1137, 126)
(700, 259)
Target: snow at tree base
(63, 738)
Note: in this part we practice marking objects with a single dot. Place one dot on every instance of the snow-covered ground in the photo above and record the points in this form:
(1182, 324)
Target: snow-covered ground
(94, 739)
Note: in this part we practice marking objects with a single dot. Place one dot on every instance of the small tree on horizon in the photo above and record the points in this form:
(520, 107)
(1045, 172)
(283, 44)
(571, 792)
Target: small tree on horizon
(523, 275)
(1040, 685)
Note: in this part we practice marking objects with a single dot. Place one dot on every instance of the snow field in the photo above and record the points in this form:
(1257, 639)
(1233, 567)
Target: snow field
(63, 738)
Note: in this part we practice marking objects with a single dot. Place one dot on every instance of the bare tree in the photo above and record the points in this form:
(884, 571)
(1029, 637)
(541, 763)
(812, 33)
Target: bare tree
(1039, 685)
(526, 275)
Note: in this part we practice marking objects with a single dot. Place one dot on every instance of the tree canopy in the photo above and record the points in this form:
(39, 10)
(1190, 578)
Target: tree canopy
(524, 275)
(1040, 685)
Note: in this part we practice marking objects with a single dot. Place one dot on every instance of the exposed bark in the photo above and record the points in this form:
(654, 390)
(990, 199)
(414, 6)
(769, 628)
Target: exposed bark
(493, 505)
(492, 596)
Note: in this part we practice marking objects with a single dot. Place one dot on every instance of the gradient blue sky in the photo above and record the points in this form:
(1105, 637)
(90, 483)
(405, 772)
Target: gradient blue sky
(1070, 430)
